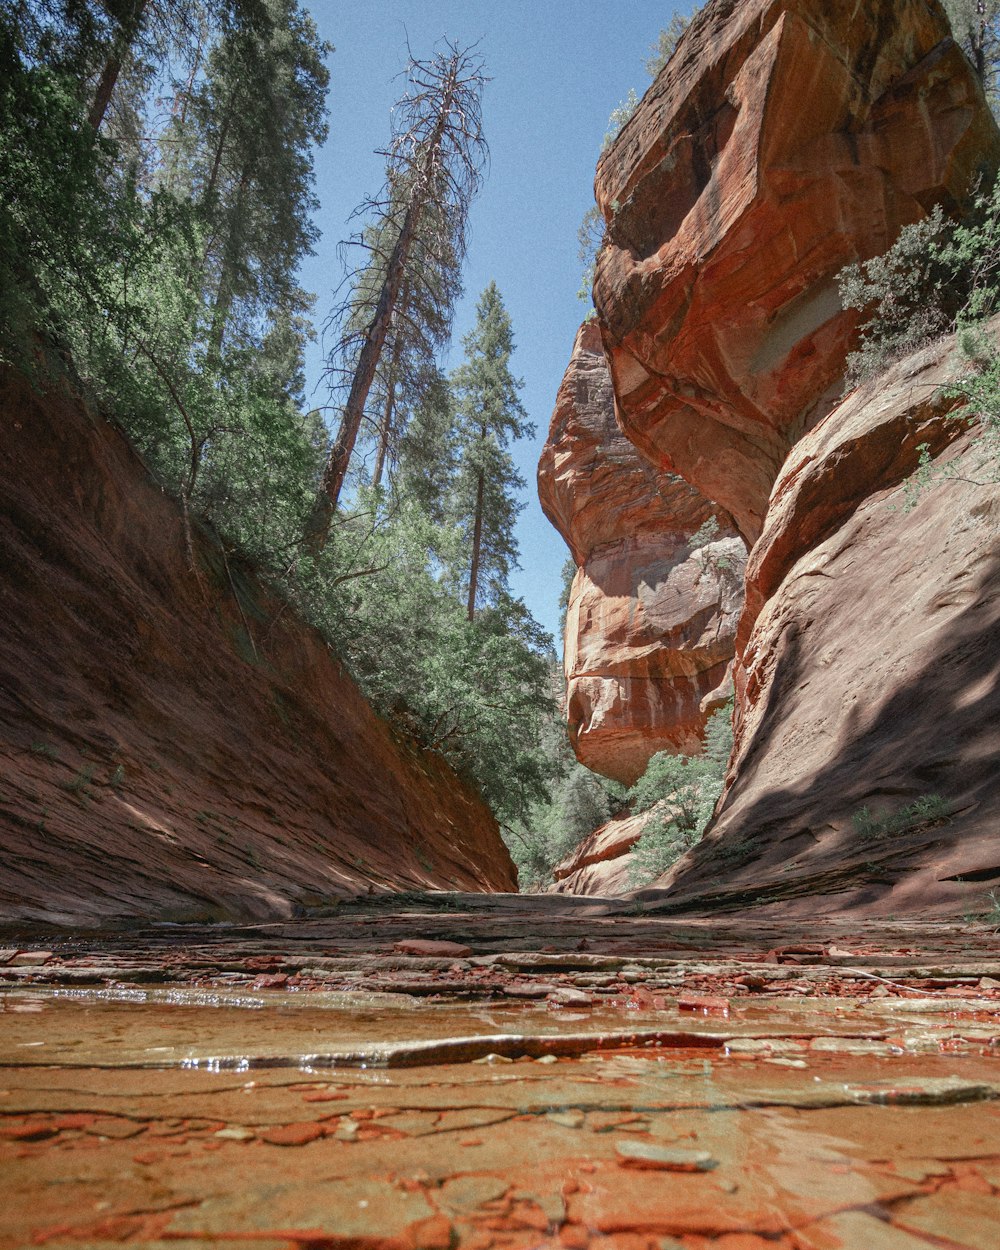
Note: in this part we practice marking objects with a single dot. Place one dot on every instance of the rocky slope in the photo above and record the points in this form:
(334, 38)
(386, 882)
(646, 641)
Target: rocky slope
(178, 746)
(651, 622)
(866, 697)
(602, 864)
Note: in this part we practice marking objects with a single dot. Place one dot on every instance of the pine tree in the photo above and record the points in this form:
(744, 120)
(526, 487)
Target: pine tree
(976, 27)
(489, 416)
(434, 168)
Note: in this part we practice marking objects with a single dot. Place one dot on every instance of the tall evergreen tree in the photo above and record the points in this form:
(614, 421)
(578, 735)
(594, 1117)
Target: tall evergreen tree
(434, 168)
(489, 416)
(976, 26)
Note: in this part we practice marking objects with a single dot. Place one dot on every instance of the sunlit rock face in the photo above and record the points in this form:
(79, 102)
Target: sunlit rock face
(172, 749)
(651, 620)
(786, 139)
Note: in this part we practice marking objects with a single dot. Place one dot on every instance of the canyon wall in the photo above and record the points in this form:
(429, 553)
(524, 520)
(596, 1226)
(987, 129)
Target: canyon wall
(175, 744)
(651, 621)
(784, 140)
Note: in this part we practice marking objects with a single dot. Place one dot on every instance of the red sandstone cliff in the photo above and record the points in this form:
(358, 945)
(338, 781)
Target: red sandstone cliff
(167, 752)
(651, 621)
(786, 139)
(867, 670)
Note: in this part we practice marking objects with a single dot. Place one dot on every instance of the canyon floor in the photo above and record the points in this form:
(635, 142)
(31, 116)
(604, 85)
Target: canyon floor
(447, 1070)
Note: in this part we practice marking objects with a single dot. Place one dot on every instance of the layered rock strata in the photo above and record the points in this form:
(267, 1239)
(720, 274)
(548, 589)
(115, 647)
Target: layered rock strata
(176, 745)
(651, 620)
(784, 140)
(868, 695)
(602, 864)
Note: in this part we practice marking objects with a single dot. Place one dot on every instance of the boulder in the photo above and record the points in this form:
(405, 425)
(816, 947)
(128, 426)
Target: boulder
(602, 863)
(784, 140)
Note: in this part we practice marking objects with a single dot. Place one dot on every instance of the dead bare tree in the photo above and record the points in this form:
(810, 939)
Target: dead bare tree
(413, 245)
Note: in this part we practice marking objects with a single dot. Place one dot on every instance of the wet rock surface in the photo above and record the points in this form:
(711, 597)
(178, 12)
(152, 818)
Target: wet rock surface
(848, 1096)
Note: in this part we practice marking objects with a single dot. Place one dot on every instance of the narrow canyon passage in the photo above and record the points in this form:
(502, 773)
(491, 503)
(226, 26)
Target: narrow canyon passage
(448, 1070)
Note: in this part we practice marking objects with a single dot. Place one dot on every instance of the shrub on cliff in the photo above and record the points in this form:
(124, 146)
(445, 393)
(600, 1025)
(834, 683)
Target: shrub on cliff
(939, 277)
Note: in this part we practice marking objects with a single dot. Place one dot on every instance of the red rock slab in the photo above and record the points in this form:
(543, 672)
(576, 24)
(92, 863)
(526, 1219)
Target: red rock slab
(426, 946)
(159, 761)
(292, 1134)
(865, 675)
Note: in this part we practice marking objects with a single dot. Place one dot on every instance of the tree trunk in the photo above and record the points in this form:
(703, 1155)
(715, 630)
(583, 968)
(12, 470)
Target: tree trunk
(383, 438)
(224, 293)
(364, 374)
(385, 426)
(220, 147)
(477, 543)
(120, 48)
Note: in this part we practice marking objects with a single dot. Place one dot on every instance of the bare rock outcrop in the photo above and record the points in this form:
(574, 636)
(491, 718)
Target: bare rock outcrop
(602, 863)
(785, 139)
(177, 746)
(867, 675)
(651, 620)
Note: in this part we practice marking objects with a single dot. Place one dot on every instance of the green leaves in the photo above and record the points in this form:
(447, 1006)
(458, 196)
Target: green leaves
(682, 792)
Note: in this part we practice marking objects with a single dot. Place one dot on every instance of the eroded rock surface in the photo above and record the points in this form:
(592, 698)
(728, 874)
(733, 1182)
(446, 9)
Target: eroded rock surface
(602, 863)
(867, 667)
(679, 1085)
(651, 619)
(169, 751)
(784, 140)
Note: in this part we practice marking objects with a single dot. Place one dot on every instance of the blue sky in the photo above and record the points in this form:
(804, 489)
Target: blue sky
(558, 68)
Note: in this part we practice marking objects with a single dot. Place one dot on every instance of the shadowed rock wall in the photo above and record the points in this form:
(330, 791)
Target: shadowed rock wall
(786, 139)
(168, 751)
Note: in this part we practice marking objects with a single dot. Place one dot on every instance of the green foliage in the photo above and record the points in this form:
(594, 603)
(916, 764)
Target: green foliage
(579, 801)
(929, 809)
(568, 576)
(590, 236)
(940, 276)
(619, 116)
(976, 26)
(164, 285)
(489, 417)
(666, 43)
(706, 533)
(682, 791)
(908, 295)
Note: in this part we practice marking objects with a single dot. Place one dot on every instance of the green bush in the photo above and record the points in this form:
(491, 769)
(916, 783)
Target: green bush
(683, 791)
(926, 810)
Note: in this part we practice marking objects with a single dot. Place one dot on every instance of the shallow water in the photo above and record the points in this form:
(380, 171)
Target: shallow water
(368, 1120)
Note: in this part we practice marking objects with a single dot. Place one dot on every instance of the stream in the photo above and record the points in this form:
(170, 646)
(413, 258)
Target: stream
(673, 1084)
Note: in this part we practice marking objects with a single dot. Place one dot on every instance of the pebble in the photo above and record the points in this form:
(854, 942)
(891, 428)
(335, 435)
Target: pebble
(643, 1154)
(236, 1132)
(292, 1134)
(569, 997)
